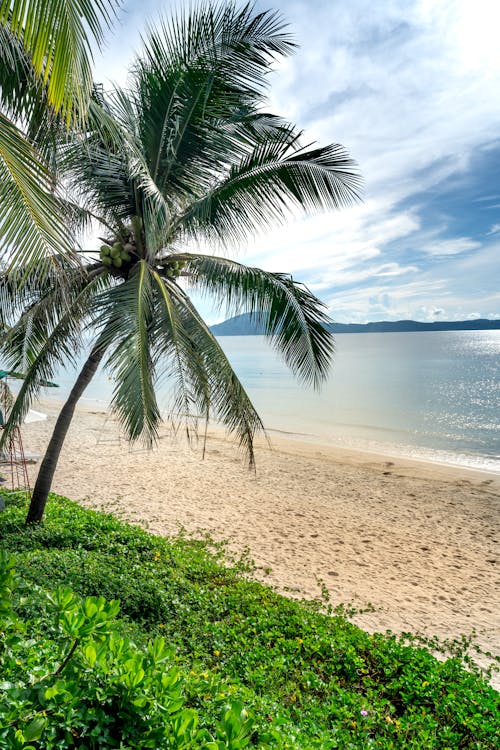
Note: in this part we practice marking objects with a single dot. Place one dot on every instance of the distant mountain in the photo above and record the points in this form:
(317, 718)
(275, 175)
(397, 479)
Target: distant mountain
(242, 325)
(406, 326)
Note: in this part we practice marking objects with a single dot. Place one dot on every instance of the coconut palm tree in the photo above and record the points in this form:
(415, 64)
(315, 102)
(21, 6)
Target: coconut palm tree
(45, 79)
(183, 158)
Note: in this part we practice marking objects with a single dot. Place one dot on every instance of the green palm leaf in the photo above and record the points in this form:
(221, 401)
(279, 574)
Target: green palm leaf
(268, 184)
(57, 35)
(177, 360)
(227, 399)
(18, 83)
(45, 79)
(203, 69)
(126, 312)
(31, 224)
(293, 318)
(47, 334)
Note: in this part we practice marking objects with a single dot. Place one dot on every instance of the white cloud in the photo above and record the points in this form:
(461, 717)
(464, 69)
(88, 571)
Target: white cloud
(392, 302)
(318, 249)
(394, 269)
(342, 278)
(406, 86)
(397, 86)
(431, 313)
(451, 247)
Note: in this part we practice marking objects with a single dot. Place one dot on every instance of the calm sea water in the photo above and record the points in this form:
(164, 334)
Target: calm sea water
(431, 395)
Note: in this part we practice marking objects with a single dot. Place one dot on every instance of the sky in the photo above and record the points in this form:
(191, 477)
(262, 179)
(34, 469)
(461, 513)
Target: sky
(412, 89)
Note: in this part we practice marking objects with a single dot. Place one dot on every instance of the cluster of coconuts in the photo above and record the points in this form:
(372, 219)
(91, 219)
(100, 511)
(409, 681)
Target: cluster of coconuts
(116, 255)
(174, 268)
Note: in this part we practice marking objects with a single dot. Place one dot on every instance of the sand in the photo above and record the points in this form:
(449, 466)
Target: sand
(417, 541)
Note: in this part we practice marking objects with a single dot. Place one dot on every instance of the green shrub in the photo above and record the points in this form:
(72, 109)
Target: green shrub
(81, 684)
(310, 680)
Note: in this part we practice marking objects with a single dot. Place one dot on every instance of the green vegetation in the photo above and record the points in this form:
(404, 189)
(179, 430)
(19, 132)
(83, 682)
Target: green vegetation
(45, 86)
(219, 660)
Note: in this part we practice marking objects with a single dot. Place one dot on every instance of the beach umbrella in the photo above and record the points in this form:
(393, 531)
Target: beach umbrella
(20, 376)
(6, 397)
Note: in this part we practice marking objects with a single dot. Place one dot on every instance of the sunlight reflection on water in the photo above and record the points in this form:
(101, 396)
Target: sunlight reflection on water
(434, 395)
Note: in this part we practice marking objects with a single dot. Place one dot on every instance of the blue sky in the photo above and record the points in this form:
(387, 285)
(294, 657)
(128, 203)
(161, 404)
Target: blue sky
(412, 89)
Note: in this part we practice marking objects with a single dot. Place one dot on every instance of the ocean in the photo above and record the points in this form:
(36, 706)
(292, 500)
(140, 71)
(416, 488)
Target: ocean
(425, 395)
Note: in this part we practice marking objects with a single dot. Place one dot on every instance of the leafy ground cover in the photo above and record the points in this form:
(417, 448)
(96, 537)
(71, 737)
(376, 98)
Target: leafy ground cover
(197, 655)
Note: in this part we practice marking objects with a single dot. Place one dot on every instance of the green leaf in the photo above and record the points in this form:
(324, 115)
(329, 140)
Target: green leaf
(185, 724)
(35, 729)
(51, 692)
(90, 654)
(31, 221)
(294, 319)
(126, 334)
(58, 34)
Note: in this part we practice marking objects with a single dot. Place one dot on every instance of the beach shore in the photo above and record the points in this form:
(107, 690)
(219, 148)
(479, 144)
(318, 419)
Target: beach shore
(419, 542)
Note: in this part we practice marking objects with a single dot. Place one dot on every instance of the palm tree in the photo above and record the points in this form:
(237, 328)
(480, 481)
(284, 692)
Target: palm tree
(45, 79)
(185, 155)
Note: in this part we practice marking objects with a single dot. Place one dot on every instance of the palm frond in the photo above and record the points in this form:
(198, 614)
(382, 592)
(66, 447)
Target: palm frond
(269, 184)
(58, 37)
(100, 180)
(178, 361)
(213, 378)
(18, 83)
(232, 37)
(126, 313)
(24, 97)
(31, 224)
(23, 287)
(203, 69)
(293, 318)
(48, 334)
(105, 168)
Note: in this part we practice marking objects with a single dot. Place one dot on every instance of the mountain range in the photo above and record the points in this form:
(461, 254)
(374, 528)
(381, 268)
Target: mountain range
(242, 325)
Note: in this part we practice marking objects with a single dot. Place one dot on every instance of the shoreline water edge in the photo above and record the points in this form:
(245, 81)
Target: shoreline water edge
(353, 444)
(424, 396)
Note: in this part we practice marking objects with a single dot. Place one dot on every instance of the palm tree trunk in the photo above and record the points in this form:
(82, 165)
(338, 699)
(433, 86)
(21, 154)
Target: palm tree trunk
(49, 463)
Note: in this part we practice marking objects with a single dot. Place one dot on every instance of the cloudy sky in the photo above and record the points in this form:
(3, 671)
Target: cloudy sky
(412, 89)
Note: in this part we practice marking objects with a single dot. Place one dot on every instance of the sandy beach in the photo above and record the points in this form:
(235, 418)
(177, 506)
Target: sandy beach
(418, 541)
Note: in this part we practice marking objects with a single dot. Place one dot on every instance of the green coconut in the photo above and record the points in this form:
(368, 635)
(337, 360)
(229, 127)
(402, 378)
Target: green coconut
(117, 262)
(125, 257)
(107, 260)
(114, 252)
(104, 250)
